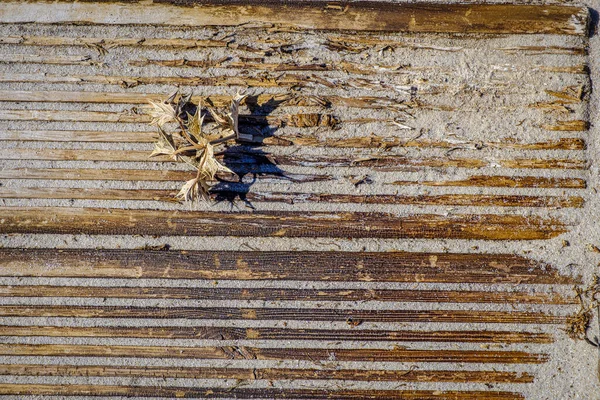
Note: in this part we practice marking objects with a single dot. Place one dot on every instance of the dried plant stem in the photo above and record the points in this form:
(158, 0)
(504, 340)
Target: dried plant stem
(224, 139)
(197, 146)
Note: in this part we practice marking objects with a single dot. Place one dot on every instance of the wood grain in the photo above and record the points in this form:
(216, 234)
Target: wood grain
(396, 354)
(171, 175)
(241, 393)
(228, 333)
(285, 294)
(388, 163)
(367, 16)
(146, 175)
(292, 265)
(295, 198)
(266, 373)
(283, 314)
(504, 181)
(367, 142)
(99, 221)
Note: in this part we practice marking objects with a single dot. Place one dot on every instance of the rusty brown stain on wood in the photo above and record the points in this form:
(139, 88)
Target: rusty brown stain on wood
(396, 354)
(243, 393)
(293, 265)
(294, 198)
(285, 294)
(367, 16)
(505, 181)
(302, 314)
(266, 373)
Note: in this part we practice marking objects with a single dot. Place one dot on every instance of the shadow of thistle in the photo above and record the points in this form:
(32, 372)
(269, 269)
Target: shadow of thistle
(248, 160)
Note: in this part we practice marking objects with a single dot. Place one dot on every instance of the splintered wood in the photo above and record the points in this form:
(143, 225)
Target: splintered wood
(373, 243)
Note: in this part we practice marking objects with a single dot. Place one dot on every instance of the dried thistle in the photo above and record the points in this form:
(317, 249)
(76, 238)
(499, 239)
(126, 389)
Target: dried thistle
(190, 143)
(579, 322)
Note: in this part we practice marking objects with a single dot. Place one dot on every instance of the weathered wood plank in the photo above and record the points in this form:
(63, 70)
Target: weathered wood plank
(568, 126)
(144, 175)
(298, 314)
(294, 198)
(369, 142)
(292, 120)
(383, 163)
(397, 354)
(265, 80)
(228, 333)
(79, 136)
(504, 181)
(379, 142)
(286, 294)
(367, 16)
(241, 393)
(170, 175)
(280, 99)
(97, 221)
(266, 373)
(45, 59)
(251, 265)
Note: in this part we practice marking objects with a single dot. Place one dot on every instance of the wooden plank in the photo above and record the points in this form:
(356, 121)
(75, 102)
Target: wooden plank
(266, 80)
(367, 16)
(504, 181)
(109, 43)
(225, 333)
(79, 136)
(368, 142)
(145, 175)
(410, 375)
(228, 333)
(280, 99)
(49, 60)
(378, 142)
(396, 354)
(178, 43)
(98, 221)
(285, 294)
(174, 176)
(293, 265)
(295, 198)
(292, 314)
(382, 163)
(293, 120)
(243, 393)
(568, 126)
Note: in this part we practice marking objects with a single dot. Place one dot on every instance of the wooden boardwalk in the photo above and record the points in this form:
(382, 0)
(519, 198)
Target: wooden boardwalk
(394, 236)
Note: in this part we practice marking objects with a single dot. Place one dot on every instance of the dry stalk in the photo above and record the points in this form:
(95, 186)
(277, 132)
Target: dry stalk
(188, 142)
(579, 322)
